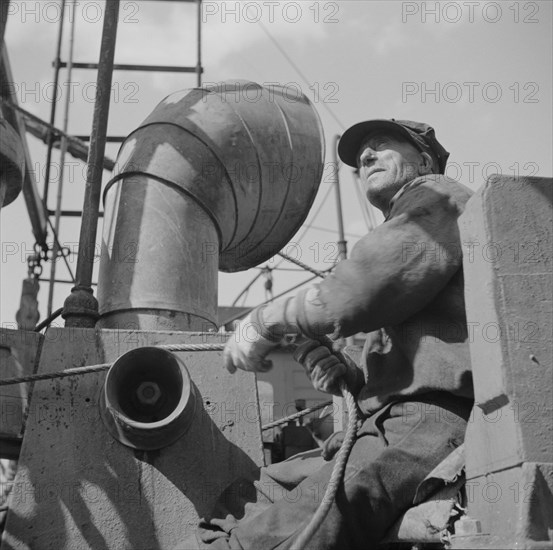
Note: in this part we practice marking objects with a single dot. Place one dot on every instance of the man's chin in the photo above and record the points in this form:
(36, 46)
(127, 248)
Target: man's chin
(376, 182)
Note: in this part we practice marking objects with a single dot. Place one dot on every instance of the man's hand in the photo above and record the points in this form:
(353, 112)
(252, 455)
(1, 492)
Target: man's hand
(321, 366)
(246, 349)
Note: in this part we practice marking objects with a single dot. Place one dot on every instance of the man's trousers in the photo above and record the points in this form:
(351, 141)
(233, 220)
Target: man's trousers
(396, 449)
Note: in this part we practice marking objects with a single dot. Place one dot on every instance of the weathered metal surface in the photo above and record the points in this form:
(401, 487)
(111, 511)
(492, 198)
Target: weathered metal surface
(18, 357)
(77, 487)
(285, 130)
(232, 179)
(506, 233)
(157, 271)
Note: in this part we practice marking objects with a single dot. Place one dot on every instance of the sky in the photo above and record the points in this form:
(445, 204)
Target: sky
(479, 72)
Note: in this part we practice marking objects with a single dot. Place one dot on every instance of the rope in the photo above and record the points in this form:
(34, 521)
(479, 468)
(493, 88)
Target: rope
(53, 375)
(192, 347)
(104, 366)
(337, 471)
(321, 274)
(295, 416)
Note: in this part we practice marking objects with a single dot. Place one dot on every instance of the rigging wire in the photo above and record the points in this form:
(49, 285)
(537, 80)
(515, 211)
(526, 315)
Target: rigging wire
(248, 287)
(330, 112)
(305, 229)
(243, 313)
(298, 70)
(327, 230)
(64, 256)
(308, 226)
(302, 265)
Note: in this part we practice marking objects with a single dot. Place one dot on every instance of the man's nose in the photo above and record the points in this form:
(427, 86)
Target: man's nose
(367, 156)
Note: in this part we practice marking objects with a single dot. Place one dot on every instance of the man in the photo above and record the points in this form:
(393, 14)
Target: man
(403, 286)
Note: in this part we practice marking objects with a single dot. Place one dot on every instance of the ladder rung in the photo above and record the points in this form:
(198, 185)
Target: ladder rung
(63, 281)
(109, 139)
(123, 67)
(71, 213)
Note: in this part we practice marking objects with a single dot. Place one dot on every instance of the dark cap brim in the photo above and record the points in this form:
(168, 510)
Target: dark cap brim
(352, 139)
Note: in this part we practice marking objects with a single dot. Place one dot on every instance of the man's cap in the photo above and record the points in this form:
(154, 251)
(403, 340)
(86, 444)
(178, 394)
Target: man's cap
(421, 135)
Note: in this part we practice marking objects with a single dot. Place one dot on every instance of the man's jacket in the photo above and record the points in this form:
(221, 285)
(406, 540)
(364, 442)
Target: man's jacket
(403, 285)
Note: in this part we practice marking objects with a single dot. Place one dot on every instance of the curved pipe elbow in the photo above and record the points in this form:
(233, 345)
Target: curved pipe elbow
(209, 181)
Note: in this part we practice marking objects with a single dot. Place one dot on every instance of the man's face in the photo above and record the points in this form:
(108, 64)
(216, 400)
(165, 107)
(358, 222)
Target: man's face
(386, 163)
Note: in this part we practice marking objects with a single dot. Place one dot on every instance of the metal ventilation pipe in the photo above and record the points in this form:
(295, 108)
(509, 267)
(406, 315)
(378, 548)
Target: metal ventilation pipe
(218, 177)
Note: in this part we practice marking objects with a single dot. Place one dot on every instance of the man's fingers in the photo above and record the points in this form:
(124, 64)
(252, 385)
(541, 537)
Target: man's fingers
(331, 363)
(233, 360)
(321, 370)
(316, 356)
(303, 349)
(321, 366)
(326, 374)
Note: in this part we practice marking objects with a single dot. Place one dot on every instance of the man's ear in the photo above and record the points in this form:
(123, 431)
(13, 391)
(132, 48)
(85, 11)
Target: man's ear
(427, 164)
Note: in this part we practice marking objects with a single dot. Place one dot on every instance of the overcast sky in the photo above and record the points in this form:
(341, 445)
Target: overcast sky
(479, 72)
